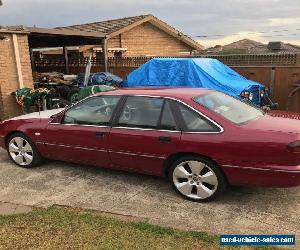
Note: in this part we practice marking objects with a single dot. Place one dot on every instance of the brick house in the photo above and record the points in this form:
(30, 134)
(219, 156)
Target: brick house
(16, 45)
(143, 35)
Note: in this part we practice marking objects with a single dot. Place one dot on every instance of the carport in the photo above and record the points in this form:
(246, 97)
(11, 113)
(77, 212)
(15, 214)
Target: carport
(17, 62)
(52, 38)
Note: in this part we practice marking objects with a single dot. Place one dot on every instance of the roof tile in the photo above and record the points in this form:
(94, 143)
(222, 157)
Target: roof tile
(106, 27)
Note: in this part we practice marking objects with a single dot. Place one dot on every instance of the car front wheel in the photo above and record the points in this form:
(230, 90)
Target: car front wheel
(197, 179)
(22, 151)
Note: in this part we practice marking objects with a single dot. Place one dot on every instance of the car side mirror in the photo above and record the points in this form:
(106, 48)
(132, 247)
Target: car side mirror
(57, 118)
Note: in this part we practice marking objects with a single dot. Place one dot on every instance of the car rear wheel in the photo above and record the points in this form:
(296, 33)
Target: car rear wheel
(22, 151)
(197, 179)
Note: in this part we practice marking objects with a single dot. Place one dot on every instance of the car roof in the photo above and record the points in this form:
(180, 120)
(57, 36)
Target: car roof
(179, 93)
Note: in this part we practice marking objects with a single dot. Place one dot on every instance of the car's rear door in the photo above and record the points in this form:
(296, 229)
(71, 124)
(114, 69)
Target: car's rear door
(82, 136)
(144, 134)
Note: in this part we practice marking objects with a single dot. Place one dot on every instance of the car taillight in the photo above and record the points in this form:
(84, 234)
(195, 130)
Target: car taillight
(245, 94)
(294, 147)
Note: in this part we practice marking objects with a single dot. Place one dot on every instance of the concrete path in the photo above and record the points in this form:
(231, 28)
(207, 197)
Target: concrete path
(240, 210)
(10, 208)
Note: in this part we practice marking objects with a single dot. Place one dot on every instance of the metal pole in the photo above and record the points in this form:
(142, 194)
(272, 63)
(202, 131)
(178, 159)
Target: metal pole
(272, 82)
(66, 60)
(105, 55)
(44, 103)
(87, 72)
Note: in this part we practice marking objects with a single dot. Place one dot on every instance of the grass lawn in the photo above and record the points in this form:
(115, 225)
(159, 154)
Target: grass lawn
(65, 228)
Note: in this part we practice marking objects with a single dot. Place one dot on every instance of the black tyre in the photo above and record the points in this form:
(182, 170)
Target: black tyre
(197, 179)
(22, 151)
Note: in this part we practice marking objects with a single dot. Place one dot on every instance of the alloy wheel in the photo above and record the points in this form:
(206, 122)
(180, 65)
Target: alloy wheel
(20, 151)
(195, 180)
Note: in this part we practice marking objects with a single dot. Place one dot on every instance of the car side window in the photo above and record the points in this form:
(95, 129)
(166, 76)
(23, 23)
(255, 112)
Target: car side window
(167, 119)
(141, 112)
(93, 111)
(194, 122)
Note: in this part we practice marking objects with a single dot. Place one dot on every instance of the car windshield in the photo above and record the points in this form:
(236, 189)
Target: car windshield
(229, 107)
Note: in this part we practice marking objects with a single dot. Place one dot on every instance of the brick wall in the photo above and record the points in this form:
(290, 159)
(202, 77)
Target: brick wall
(114, 42)
(146, 39)
(9, 76)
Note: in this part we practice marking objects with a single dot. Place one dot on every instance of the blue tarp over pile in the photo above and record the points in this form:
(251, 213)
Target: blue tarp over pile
(187, 72)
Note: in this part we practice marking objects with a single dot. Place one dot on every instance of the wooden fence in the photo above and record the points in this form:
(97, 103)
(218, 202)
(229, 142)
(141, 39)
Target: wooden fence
(231, 60)
(280, 81)
(278, 72)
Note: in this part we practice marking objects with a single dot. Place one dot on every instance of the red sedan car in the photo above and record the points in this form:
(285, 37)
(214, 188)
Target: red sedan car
(201, 139)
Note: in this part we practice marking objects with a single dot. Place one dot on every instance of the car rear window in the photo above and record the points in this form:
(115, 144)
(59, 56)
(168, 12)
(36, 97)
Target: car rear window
(229, 107)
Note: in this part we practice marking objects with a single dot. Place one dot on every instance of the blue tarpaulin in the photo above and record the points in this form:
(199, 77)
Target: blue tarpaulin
(190, 72)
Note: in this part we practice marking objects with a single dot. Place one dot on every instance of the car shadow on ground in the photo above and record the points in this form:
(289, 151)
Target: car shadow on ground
(232, 194)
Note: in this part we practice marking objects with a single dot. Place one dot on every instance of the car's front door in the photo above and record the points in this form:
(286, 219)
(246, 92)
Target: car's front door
(144, 134)
(82, 136)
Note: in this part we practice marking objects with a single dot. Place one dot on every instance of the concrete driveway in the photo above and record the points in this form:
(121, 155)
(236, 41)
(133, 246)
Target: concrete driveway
(240, 210)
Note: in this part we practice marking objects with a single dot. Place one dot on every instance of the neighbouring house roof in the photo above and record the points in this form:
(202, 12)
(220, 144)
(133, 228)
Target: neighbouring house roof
(253, 47)
(291, 47)
(115, 27)
(243, 44)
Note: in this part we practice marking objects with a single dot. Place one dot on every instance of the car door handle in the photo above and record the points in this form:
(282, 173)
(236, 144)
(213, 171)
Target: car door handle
(100, 134)
(164, 139)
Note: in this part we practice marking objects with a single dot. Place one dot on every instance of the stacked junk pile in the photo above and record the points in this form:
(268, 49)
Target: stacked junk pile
(56, 90)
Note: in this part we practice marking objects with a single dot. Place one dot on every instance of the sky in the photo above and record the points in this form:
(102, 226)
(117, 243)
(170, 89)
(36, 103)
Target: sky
(209, 22)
